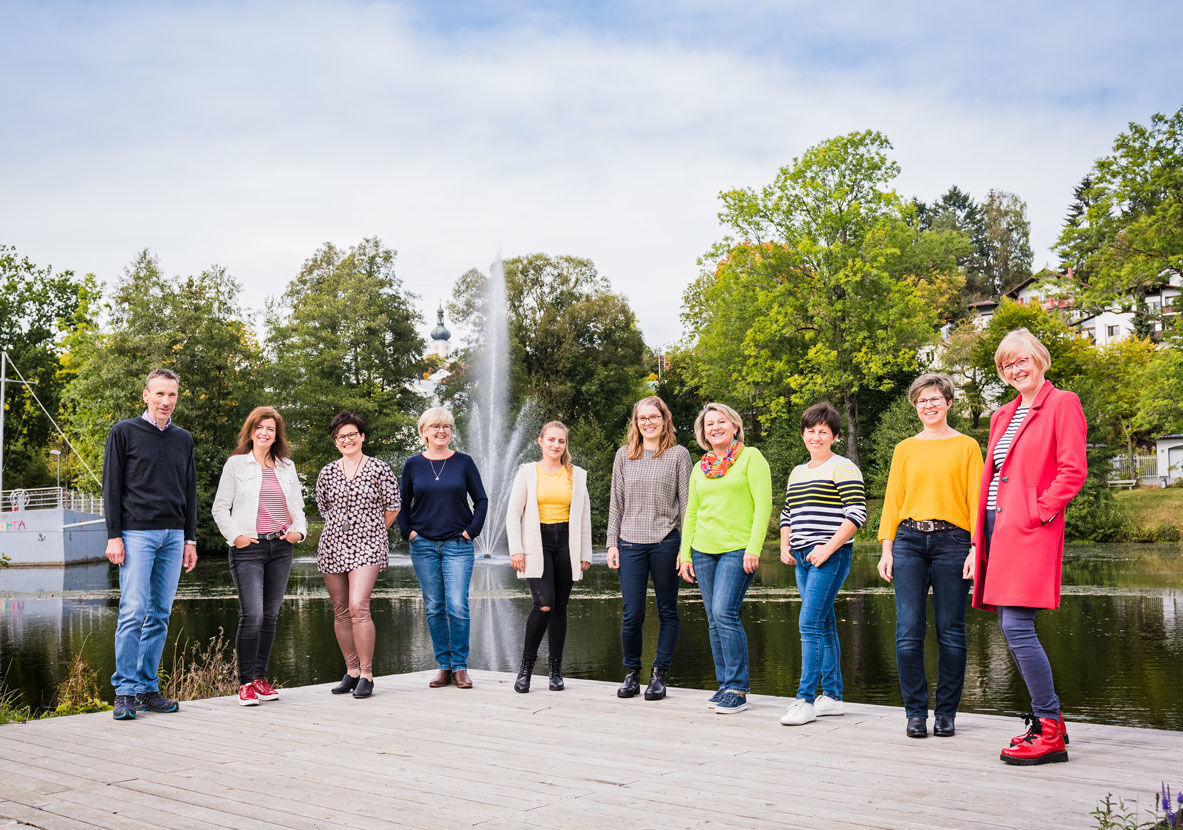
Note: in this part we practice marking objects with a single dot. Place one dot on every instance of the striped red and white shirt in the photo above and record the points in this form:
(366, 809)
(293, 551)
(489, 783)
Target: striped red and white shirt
(273, 515)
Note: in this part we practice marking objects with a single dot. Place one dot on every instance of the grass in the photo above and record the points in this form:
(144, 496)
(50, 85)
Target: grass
(1154, 507)
(199, 671)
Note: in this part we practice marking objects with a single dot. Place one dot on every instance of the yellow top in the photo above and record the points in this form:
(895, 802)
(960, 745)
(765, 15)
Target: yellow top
(935, 478)
(554, 495)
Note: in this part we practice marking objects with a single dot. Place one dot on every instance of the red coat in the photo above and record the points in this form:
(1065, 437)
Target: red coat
(1043, 470)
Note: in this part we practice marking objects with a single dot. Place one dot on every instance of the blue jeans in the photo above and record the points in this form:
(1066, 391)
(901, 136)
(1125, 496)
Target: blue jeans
(444, 570)
(637, 562)
(723, 583)
(147, 584)
(821, 656)
(920, 560)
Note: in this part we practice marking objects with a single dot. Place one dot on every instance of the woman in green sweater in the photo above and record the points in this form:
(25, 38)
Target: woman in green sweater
(727, 514)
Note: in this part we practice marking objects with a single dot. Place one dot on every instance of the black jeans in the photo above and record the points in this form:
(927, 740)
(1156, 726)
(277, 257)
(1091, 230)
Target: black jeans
(551, 592)
(260, 572)
(637, 563)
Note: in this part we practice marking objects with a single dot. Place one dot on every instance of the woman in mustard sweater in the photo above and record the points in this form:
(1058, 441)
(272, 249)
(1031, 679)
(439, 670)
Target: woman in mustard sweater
(727, 513)
(929, 513)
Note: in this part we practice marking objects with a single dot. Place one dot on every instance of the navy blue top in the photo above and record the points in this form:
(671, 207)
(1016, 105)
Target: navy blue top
(437, 508)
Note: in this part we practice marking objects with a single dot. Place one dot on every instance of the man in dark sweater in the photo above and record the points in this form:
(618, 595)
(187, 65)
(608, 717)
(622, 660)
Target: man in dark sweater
(150, 500)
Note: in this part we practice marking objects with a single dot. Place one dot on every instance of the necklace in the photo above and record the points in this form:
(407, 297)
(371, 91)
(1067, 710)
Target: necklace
(441, 472)
(351, 476)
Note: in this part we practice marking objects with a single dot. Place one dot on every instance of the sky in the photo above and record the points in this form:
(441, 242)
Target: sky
(248, 134)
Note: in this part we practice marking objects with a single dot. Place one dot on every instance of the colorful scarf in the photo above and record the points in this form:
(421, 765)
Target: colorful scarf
(715, 467)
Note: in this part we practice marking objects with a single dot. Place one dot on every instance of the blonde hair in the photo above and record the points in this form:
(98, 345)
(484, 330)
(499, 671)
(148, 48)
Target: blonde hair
(1017, 341)
(724, 410)
(636, 444)
(436, 416)
(565, 459)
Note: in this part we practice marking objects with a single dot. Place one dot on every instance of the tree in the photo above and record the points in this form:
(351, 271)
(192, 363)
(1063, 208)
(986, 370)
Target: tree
(1113, 408)
(1006, 245)
(192, 325)
(973, 379)
(841, 283)
(957, 211)
(346, 337)
(37, 309)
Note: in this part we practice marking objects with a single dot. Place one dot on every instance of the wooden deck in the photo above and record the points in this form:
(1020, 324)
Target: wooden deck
(416, 757)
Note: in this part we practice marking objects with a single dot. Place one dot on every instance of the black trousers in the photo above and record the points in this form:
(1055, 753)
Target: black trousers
(551, 592)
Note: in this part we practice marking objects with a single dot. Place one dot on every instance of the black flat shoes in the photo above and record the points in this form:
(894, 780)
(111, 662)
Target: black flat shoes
(365, 687)
(347, 685)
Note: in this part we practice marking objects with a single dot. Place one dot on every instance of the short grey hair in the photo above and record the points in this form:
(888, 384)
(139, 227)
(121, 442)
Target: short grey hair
(167, 374)
(724, 410)
(942, 382)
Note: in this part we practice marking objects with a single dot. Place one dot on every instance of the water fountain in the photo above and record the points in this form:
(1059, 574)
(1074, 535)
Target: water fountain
(494, 440)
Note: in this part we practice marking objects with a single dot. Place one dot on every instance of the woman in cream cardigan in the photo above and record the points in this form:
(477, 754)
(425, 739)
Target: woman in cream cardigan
(548, 524)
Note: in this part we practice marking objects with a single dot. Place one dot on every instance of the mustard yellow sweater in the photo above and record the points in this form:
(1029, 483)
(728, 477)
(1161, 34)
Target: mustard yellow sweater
(932, 479)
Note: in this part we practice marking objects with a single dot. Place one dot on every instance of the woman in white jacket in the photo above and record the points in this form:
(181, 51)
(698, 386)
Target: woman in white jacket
(548, 524)
(259, 508)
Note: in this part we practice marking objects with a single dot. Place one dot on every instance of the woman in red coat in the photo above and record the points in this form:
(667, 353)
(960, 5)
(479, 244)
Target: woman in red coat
(1035, 464)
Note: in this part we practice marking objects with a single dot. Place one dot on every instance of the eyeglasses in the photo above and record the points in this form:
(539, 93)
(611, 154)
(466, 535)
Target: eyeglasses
(1015, 365)
(924, 403)
(440, 428)
(649, 419)
(347, 437)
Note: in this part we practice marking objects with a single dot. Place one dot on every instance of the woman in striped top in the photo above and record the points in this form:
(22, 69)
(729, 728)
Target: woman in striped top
(259, 508)
(825, 505)
(928, 518)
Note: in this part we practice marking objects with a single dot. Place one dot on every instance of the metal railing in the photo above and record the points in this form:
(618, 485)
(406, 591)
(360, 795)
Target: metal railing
(1142, 470)
(42, 498)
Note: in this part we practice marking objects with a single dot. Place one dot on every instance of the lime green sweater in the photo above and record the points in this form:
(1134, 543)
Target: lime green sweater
(729, 513)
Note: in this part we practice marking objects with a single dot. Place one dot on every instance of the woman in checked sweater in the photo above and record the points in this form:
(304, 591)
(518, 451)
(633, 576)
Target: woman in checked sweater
(825, 506)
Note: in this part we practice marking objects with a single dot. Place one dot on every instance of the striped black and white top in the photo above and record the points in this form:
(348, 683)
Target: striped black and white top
(819, 499)
(1000, 451)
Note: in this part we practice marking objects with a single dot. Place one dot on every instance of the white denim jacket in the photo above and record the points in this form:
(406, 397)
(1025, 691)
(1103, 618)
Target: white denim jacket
(236, 505)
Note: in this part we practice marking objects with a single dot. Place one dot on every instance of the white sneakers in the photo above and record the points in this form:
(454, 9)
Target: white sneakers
(828, 706)
(802, 711)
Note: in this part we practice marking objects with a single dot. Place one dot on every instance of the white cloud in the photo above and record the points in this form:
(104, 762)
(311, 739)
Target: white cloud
(248, 136)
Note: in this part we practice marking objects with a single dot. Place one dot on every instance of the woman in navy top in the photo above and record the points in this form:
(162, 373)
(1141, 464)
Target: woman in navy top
(439, 524)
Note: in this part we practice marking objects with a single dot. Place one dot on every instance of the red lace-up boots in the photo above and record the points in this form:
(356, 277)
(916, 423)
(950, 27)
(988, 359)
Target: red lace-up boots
(1043, 744)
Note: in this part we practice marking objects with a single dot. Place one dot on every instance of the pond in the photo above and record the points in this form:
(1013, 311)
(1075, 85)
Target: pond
(1116, 644)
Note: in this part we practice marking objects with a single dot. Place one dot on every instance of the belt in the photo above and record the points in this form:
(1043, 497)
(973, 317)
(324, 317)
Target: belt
(270, 537)
(926, 526)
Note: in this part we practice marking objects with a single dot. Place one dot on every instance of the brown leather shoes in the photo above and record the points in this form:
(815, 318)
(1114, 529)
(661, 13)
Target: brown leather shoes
(461, 679)
(442, 679)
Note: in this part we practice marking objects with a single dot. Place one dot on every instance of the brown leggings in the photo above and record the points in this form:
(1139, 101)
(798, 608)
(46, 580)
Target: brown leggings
(350, 594)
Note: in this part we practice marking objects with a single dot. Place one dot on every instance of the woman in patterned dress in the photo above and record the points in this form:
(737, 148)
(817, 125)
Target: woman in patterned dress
(358, 497)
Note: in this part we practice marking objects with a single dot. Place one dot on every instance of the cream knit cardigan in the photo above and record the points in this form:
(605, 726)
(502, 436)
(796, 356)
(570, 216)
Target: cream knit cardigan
(523, 527)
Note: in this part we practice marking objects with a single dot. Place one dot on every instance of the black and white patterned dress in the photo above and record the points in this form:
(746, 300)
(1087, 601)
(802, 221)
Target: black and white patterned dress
(355, 532)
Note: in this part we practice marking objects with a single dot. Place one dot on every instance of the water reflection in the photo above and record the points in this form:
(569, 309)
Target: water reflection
(1116, 644)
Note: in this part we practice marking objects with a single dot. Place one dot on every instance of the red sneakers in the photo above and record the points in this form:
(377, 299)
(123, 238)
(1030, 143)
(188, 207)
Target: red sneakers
(264, 690)
(1044, 744)
(246, 695)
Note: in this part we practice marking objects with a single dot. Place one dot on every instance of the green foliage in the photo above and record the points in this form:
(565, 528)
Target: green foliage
(1125, 229)
(346, 337)
(199, 671)
(594, 450)
(1094, 515)
(825, 286)
(1006, 242)
(1160, 388)
(79, 692)
(191, 325)
(37, 307)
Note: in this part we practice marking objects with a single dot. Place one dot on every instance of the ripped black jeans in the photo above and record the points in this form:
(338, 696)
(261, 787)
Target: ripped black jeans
(551, 592)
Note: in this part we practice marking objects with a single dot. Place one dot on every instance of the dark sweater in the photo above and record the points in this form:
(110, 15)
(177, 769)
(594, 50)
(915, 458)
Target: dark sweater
(149, 479)
(439, 510)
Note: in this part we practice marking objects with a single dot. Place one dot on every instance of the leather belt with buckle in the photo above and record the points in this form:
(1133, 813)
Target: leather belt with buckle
(926, 526)
(270, 537)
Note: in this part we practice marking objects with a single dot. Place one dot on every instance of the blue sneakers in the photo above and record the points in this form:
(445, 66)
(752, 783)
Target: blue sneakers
(715, 698)
(731, 702)
(125, 707)
(154, 702)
